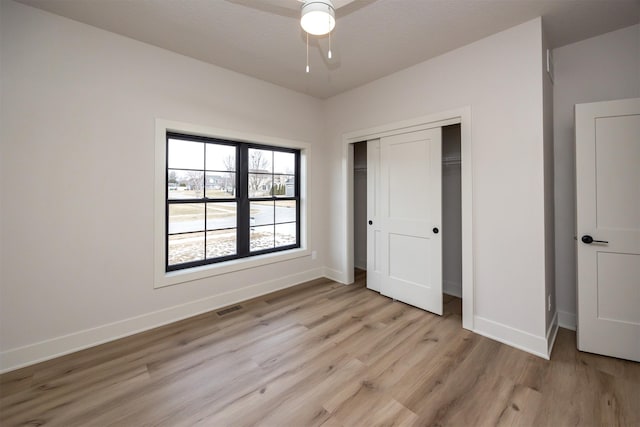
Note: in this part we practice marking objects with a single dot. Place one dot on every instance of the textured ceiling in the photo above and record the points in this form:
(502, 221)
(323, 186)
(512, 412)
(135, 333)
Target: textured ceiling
(373, 38)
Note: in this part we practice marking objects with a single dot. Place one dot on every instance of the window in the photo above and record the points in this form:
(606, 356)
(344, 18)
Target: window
(227, 200)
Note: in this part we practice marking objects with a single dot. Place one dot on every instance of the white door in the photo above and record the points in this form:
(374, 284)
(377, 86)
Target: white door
(608, 226)
(406, 218)
(374, 260)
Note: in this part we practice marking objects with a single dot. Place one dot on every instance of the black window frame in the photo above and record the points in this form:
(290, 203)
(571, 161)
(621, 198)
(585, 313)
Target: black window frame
(242, 200)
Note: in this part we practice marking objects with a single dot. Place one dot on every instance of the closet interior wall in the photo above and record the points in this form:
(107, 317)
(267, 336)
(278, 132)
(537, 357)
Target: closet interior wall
(451, 211)
(360, 205)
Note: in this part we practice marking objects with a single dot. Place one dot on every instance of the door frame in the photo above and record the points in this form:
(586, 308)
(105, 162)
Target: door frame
(451, 117)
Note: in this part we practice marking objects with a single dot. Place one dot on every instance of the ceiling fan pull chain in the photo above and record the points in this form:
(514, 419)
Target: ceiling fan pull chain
(329, 53)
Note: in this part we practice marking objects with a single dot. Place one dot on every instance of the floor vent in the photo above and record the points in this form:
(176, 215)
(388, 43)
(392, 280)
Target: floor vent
(228, 310)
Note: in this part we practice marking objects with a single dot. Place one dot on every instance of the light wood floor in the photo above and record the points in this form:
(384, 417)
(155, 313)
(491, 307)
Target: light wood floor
(322, 354)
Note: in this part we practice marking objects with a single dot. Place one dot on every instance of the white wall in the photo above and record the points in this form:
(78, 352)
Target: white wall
(549, 236)
(78, 112)
(597, 69)
(500, 78)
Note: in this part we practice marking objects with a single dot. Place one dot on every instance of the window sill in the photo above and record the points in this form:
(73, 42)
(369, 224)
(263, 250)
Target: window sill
(196, 273)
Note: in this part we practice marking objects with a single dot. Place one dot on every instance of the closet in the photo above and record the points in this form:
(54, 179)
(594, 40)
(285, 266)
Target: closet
(415, 221)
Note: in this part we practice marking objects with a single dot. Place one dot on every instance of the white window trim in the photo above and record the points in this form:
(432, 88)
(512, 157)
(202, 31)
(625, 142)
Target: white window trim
(163, 278)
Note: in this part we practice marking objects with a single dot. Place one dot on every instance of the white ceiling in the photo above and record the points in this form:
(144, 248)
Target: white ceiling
(373, 38)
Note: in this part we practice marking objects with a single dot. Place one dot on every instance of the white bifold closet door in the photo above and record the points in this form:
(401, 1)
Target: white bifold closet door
(404, 207)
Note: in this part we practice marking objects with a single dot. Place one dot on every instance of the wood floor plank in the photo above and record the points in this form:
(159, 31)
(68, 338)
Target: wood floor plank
(473, 407)
(521, 408)
(51, 405)
(322, 354)
(303, 405)
(270, 385)
(16, 381)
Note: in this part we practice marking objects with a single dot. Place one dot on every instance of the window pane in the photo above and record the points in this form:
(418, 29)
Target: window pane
(186, 248)
(185, 154)
(221, 215)
(286, 234)
(220, 157)
(261, 238)
(221, 243)
(260, 185)
(284, 185)
(285, 211)
(284, 163)
(261, 213)
(186, 217)
(221, 185)
(205, 206)
(183, 184)
(260, 160)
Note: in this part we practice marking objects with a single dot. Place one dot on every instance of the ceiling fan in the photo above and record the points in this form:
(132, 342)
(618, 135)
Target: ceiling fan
(292, 8)
(317, 17)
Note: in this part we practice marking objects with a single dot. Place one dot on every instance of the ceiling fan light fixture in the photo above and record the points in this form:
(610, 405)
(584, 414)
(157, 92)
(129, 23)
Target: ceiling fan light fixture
(318, 17)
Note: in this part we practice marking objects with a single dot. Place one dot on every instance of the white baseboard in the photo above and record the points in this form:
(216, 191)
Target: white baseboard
(336, 276)
(567, 320)
(552, 333)
(452, 288)
(522, 340)
(28, 355)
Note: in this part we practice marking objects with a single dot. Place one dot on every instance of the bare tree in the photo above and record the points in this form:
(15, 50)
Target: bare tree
(195, 180)
(258, 177)
(229, 163)
(229, 179)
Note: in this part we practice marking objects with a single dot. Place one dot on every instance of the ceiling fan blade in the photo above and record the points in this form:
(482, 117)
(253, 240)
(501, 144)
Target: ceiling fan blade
(345, 7)
(289, 8)
(337, 4)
